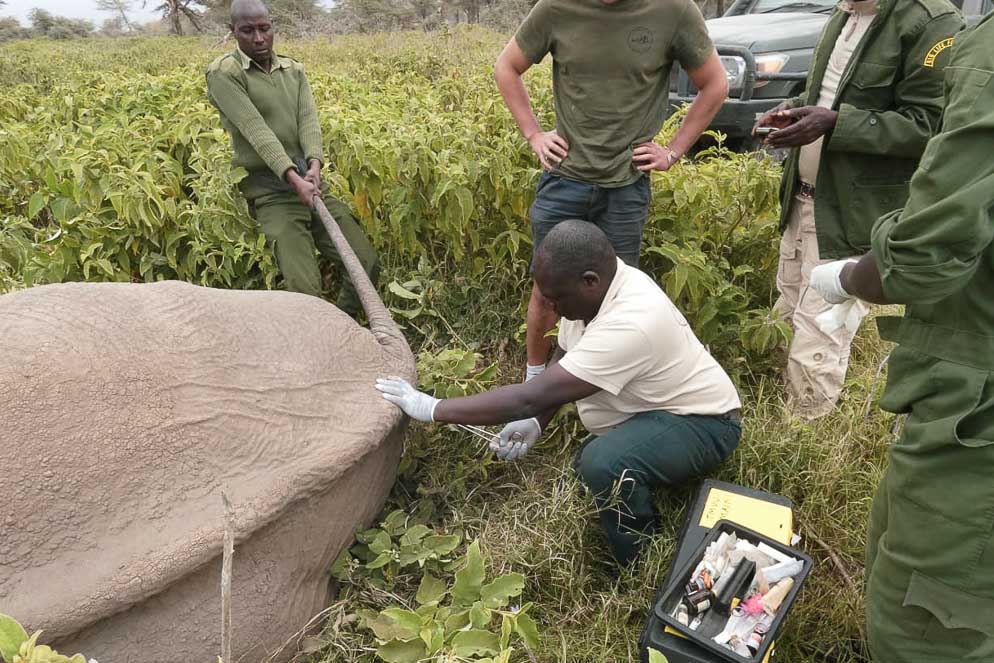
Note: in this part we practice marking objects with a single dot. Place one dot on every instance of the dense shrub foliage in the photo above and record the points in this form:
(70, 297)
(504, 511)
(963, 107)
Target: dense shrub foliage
(114, 167)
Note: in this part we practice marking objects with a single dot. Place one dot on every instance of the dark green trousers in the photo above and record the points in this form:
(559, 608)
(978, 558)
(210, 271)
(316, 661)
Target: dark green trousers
(650, 450)
(294, 231)
(930, 544)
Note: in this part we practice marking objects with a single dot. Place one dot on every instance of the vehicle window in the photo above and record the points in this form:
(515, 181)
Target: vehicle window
(769, 6)
(974, 7)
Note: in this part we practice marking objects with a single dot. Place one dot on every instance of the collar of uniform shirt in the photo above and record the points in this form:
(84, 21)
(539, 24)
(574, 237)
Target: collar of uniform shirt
(860, 7)
(276, 62)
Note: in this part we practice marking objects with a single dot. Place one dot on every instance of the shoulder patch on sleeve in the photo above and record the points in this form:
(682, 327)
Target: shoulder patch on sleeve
(933, 52)
(218, 62)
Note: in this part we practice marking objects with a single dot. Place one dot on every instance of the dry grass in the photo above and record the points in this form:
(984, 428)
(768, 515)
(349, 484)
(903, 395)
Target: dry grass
(533, 517)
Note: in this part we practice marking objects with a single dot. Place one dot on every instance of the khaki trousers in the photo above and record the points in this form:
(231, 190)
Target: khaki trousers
(817, 360)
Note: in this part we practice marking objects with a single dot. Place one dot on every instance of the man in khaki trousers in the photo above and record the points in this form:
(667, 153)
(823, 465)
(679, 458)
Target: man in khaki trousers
(873, 100)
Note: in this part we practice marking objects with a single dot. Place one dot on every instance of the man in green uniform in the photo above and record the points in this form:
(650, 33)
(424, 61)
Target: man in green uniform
(930, 547)
(873, 99)
(267, 106)
(611, 64)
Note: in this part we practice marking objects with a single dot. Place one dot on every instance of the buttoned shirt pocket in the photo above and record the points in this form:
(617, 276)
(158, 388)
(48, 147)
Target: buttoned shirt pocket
(871, 87)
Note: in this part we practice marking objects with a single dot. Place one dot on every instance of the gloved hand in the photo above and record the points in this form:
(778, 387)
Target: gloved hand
(516, 439)
(416, 404)
(826, 279)
(848, 314)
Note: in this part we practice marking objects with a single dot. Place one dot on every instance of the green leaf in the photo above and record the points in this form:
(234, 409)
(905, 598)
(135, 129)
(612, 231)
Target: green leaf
(381, 543)
(399, 651)
(410, 554)
(380, 561)
(479, 615)
(12, 634)
(497, 593)
(656, 656)
(469, 579)
(414, 535)
(475, 643)
(402, 292)
(383, 627)
(409, 622)
(339, 568)
(431, 590)
(525, 626)
(457, 621)
(442, 544)
(465, 198)
(35, 204)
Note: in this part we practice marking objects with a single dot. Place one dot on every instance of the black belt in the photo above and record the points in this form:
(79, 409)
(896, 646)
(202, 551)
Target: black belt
(806, 190)
(735, 416)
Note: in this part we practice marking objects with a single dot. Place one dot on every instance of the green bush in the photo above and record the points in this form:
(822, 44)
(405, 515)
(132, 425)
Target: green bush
(121, 173)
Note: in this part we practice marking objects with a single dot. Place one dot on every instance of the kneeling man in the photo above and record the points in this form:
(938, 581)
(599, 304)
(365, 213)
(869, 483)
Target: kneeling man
(660, 408)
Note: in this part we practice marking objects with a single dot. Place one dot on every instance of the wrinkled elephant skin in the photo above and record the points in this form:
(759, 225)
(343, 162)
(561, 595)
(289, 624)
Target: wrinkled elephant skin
(126, 409)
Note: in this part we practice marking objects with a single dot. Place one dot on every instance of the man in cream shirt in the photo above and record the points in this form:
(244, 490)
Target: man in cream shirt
(660, 408)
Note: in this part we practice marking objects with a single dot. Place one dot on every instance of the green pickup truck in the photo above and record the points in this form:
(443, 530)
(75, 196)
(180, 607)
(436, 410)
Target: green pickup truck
(766, 48)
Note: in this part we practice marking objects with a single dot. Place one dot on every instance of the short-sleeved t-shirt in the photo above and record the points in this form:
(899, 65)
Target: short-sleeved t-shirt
(611, 75)
(644, 356)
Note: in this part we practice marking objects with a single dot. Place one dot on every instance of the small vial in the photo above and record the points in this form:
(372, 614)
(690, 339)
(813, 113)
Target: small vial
(699, 602)
(682, 615)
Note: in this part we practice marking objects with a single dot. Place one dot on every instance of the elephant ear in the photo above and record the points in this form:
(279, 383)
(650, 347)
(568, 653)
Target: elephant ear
(384, 329)
(12, 634)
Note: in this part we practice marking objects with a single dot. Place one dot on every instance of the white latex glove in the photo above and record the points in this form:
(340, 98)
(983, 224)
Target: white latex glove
(848, 314)
(416, 404)
(516, 439)
(826, 279)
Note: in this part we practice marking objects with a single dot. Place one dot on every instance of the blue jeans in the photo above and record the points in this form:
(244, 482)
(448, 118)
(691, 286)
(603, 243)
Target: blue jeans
(620, 212)
(652, 449)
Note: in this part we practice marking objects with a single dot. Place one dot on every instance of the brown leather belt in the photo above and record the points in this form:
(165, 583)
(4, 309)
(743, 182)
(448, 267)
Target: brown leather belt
(806, 190)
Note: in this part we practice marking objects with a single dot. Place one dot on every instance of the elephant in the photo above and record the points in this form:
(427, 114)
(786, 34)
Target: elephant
(126, 409)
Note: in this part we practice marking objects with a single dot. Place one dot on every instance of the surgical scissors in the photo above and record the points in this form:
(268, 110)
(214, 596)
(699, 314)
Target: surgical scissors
(492, 439)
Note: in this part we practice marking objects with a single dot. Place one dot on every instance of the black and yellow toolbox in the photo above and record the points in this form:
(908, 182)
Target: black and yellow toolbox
(764, 513)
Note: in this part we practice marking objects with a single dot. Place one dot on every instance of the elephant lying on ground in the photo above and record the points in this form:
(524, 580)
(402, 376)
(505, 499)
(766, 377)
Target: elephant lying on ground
(126, 409)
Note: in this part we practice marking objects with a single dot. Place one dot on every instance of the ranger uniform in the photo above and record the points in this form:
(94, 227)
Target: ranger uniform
(930, 553)
(273, 123)
(879, 65)
(930, 546)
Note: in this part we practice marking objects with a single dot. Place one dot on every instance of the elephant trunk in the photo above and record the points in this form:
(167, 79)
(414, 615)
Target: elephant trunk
(384, 329)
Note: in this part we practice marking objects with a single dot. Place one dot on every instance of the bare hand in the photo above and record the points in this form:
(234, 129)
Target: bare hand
(807, 124)
(305, 189)
(314, 173)
(650, 156)
(549, 147)
(772, 118)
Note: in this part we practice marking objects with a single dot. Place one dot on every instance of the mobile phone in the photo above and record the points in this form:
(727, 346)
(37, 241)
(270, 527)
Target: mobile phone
(766, 131)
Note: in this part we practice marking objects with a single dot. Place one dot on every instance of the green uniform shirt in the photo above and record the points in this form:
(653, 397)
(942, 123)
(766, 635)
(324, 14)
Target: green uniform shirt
(937, 254)
(271, 116)
(889, 102)
(611, 75)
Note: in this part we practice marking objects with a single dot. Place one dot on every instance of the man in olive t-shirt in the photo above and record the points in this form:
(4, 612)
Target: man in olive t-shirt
(611, 63)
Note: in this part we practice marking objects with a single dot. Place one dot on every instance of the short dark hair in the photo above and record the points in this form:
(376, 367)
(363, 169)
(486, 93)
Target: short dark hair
(573, 247)
(247, 9)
